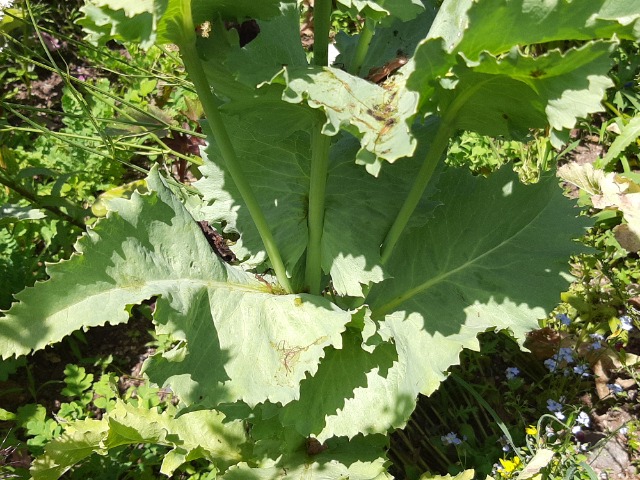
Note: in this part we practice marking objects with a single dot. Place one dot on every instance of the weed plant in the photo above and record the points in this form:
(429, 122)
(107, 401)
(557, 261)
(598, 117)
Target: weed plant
(526, 411)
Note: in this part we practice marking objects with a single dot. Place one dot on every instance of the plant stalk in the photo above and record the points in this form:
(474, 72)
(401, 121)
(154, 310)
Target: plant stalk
(321, 26)
(364, 40)
(315, 221)
(189, 54)
(438, 147)
(319, 158)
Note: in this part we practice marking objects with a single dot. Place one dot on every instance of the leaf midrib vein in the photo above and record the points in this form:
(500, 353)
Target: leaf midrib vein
(386, 308)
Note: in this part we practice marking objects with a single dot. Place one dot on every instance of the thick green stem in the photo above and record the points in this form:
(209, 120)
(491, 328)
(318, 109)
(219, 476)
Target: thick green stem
(318, 179)
(364, 40)
(189, 54)
(319, 158)
(321, 25)
(437, 148)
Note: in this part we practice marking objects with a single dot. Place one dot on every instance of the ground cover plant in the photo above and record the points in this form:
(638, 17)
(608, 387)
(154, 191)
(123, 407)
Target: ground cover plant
(61, 131)
(362, 266)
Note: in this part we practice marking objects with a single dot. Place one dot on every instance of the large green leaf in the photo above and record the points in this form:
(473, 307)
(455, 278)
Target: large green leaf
(256, 348)
(567, 85)
(352, 236)
(528, 22)
(468, 27)
(341, 372)
(508, 96)
(377, 115)
(235, 72)
(463, 72)
(477, 250)
(222, 316)
(278, 169)
(277, 45)
(467, 270)
(194, 435)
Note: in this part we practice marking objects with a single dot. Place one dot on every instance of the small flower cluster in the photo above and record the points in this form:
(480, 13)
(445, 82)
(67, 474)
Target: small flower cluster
(512, 372)
(565, 355)
(582, 420)
(451, 438)
(615, 389)
(626, 323)
(555, 408)
(507, 467)
(564, 435)
(597, 338)
(564, 358)
(564, 319)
